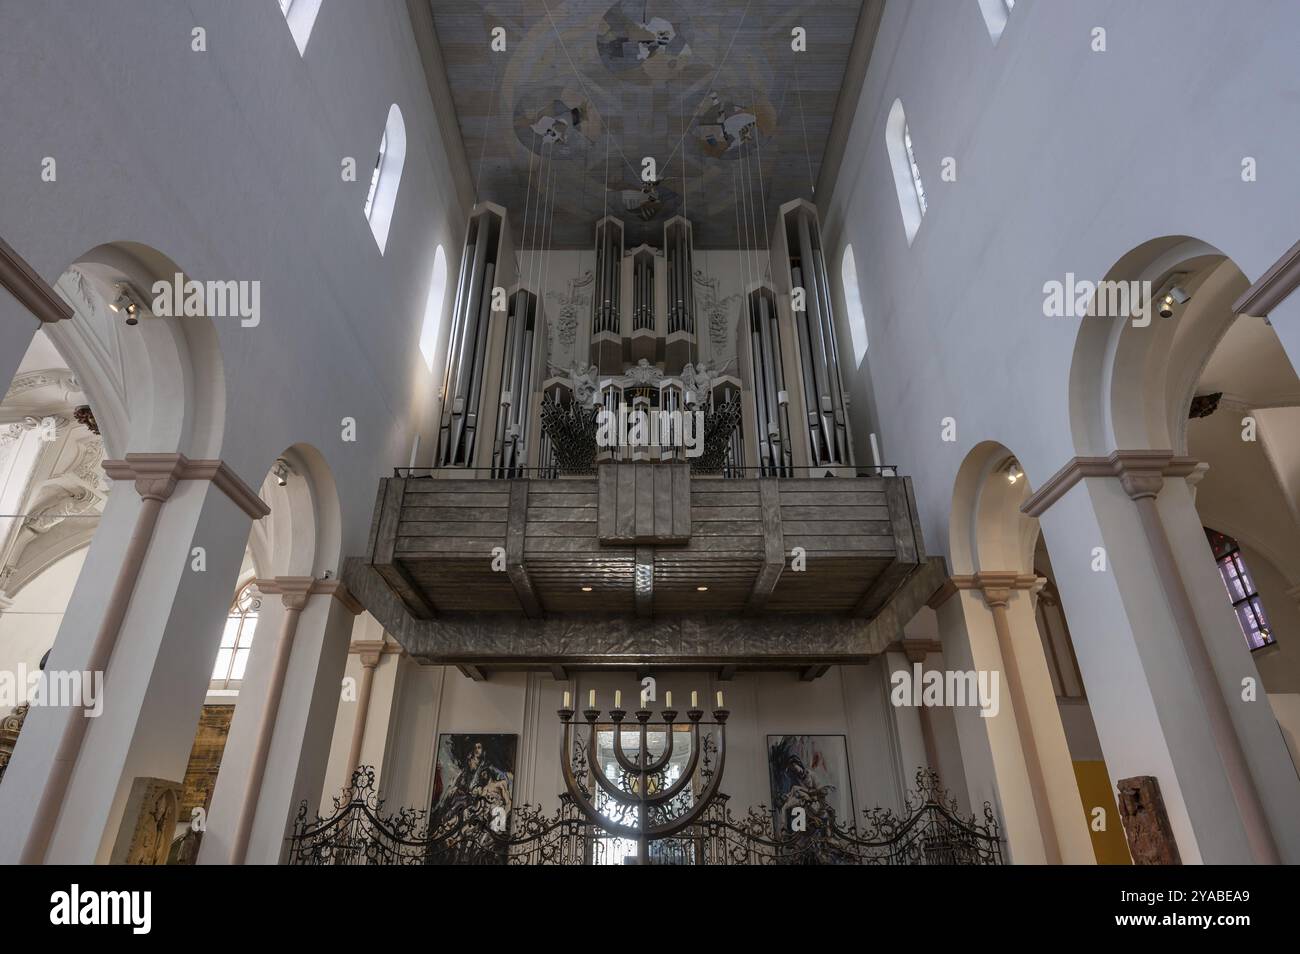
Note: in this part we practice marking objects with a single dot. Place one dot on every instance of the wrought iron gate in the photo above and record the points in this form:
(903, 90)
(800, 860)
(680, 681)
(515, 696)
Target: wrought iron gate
(931, 831)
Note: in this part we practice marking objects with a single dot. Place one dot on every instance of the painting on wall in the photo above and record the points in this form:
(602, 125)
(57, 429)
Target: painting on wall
(809, 772)
(474, 777)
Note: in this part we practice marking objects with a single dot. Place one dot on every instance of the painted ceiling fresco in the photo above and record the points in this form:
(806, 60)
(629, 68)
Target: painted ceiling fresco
(586, 90)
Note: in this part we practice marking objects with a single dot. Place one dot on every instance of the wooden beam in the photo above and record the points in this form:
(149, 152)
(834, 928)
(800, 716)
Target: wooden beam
(383, 553)
(907, 553)
(769, 501)
(32, 291)
(516, 526)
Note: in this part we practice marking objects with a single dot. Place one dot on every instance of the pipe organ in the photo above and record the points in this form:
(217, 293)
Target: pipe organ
(520, 360)
(606, 299)
(679, 264)
(800, 270)
(769, 403)
(473, 367)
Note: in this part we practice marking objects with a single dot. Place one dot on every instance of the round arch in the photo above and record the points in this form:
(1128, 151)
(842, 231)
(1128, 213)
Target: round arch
(986, 530)
(157, 386)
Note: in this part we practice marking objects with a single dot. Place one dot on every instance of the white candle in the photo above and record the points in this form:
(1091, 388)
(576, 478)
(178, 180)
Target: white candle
(618, 698)
(719, 698)
(695, 699)
(668, 699)
(566, 698)
(645, 698)
(591, 699)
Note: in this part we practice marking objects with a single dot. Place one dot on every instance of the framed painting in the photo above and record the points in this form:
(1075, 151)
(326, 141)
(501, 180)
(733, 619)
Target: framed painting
(809, 775)
(473, 777)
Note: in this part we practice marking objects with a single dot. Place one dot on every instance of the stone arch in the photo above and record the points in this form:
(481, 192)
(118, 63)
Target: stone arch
(157, 386)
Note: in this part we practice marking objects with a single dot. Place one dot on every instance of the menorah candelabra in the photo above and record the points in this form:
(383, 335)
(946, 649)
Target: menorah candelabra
(640, 769)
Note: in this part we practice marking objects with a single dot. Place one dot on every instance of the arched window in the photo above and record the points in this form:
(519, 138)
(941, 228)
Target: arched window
(381, 198)
(301, 17)
(433, 308)
(907, 174)
(237, 638)
(1241, 590)
(996, 14)
(853, 303)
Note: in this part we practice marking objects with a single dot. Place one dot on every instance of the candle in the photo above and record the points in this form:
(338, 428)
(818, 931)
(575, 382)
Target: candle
(618, 698)
(695, 699)
(720, 699)
(566, 698)
(591, 699)
(668, 699)
(645, 698)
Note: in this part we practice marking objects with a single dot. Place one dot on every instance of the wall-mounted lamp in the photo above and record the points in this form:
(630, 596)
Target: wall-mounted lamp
(1014, 473)
(125, 303)
(281, 471)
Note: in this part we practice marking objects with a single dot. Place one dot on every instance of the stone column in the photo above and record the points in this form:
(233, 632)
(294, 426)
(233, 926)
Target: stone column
(916, 651)
(1142, 480)
(146, 614)
(279, 738)
(1037, 756)
(369, 657)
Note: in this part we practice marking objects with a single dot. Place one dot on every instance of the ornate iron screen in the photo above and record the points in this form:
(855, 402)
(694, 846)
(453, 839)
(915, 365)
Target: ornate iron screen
(931, 831)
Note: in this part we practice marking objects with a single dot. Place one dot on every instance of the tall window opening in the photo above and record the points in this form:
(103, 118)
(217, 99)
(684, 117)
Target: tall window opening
(386, 177)
(433, 308)
(996, 14)
(1241, 590)
(301, 17)
(907, 172)
(853, 304)
(237, 638)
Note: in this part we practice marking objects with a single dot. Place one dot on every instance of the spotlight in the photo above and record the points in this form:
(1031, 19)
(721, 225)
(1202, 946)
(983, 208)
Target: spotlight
(125, 303)
(281, 471)
(1167, 306)
(702, 589)
(586, 589)
(1014, 473)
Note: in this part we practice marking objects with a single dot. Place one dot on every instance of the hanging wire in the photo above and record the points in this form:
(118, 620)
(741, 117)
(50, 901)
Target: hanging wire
(812, 185)
(762, 191)
(714, 78)
(492, 114)
(528, 192)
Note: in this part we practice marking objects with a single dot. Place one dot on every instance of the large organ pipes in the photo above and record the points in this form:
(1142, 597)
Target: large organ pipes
(643, 295)
(798, 243)
(515, 409)
(771, 416)
(485, 261)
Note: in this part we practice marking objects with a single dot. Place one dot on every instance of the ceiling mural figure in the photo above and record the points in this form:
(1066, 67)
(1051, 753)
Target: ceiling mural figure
(708, 91)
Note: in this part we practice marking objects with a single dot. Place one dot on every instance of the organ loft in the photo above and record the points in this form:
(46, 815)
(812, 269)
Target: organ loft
(642, 477)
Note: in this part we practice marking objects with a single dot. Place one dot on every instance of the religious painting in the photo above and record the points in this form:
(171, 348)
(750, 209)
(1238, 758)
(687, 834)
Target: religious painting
(810, 782)
(474, 779)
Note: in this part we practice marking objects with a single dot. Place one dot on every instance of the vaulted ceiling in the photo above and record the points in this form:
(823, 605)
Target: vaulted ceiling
(564, 118)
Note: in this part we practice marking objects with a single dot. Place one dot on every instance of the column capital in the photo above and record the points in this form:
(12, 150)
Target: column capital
(996, 586)
(369, 650)
(1139, 471)
(294, 591)
(155, 477)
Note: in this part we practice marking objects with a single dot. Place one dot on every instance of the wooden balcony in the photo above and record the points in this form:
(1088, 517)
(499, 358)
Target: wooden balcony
(642, 549)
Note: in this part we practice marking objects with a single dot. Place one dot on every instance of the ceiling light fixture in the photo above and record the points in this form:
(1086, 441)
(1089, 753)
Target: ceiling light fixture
(702, 589)
(586, 589)
(125, 303)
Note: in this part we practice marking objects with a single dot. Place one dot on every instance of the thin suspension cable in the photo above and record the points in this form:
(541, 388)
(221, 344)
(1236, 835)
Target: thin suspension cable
(528, 191)
(714, 78)
(492, 113)
(762, 191)
(812, 185)
(583, 83)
